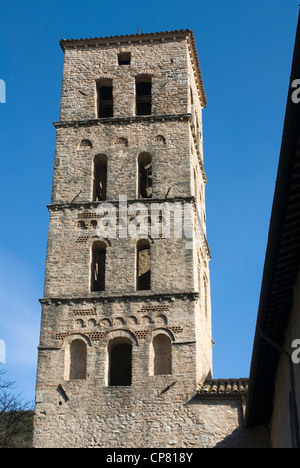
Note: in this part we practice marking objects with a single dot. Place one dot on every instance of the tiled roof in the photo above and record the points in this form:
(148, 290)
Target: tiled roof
(223, 388)
(128, 37)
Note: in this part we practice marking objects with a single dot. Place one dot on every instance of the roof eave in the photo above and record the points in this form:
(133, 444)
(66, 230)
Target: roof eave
(108, 40)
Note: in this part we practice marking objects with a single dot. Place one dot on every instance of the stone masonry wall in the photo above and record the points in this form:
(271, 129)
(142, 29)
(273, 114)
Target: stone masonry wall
(118, 418)
(73, 171)
(166, 62)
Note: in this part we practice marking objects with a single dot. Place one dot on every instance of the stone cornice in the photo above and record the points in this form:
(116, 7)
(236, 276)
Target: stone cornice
(106, 297)
(126, 120)
(95, 204)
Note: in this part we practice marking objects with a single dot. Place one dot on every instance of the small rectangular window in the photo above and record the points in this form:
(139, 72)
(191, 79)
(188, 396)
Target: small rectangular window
(124, 58)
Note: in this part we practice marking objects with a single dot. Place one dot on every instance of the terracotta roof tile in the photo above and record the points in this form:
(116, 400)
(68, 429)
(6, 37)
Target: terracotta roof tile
(224, 387)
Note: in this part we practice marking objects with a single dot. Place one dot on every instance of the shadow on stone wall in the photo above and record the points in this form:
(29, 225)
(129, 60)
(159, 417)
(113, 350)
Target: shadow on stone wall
(257, 437)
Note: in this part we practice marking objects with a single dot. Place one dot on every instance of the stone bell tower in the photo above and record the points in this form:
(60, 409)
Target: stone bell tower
(126, 317)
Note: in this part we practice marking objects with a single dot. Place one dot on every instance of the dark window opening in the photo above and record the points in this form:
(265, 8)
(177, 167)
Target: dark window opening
(143, 265)
(98, 267)
(86, 143)
(145, 176)
(81, 225)
(105, 99)
(100, 177)
(124, 58)
(143, 96)
(120, 363)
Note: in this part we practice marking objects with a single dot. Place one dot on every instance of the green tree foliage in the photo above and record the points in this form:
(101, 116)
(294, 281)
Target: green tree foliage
(15, 417)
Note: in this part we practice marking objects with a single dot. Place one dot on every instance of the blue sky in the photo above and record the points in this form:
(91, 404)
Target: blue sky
(245, 51)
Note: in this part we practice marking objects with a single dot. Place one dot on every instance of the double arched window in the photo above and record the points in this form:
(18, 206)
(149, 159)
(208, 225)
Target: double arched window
(105, 95)
(144, 182)
(143, 266)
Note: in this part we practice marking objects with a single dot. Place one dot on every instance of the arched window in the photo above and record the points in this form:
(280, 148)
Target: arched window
(98, 266)
(76, 360)
(100, 177)
(143, 95)
(143, 265)
(161, 355)
(145, 175)
(120, 362)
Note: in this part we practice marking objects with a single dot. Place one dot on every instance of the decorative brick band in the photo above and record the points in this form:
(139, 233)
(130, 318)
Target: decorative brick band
(85, 312)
